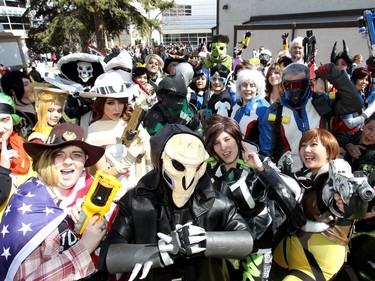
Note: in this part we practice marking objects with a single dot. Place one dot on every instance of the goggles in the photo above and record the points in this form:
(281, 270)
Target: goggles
(295, 84)
(218, 79)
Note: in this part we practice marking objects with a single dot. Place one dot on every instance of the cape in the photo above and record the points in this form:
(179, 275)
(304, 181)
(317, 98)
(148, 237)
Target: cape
(31, 215)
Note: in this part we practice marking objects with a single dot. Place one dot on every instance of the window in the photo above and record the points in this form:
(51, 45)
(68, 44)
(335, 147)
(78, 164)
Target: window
(178, 10)
(193, 38)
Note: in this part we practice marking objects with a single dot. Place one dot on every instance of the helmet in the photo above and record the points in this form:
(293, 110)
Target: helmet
(172, 90)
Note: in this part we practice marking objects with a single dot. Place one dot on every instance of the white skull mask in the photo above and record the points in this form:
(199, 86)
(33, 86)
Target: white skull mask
(184, 163)
(85, 70)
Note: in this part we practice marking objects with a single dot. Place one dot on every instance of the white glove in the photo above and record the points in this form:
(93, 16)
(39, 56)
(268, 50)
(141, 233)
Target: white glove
(185, 117)
(184, 241)
(369, 110)
(121, 157)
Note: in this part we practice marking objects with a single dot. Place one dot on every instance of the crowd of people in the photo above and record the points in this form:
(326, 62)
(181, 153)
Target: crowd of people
(228, 168)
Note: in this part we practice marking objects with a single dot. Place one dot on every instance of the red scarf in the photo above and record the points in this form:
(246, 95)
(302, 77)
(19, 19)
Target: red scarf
(21, 164)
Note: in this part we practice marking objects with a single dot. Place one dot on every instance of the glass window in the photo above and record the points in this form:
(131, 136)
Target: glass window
(175, 37)
(193, 37)
(17, 26)
(3, 19)
(184, 37)
(15, 19)
(178, 10)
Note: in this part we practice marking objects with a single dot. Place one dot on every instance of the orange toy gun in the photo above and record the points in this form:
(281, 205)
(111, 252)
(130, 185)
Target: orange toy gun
(98, 200)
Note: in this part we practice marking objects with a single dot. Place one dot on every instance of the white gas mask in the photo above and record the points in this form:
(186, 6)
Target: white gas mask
(184, 163)
(85, 70)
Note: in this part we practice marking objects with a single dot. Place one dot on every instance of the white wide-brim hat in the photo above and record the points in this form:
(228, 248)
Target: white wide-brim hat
(111, 84)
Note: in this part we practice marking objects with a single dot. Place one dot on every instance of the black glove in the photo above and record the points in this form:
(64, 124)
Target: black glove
(284, 37)
(248, 34)
(77, 106)
(328, 71)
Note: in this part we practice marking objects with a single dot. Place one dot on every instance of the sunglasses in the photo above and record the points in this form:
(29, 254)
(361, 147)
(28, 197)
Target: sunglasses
(295, 84)
(214, 79)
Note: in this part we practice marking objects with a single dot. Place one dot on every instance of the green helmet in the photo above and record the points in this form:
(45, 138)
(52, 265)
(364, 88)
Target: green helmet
(7, 106)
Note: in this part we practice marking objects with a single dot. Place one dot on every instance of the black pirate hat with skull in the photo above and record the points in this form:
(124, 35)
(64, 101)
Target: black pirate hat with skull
(81, 68)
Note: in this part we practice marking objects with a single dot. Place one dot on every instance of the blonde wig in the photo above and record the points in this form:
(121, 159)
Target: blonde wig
(44, 98)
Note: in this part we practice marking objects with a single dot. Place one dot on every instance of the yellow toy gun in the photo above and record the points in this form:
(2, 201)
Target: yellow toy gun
(98, 200)
(131, 130)
(245, 42)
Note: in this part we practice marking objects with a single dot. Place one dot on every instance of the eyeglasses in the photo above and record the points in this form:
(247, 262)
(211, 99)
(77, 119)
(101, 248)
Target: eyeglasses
(295, 84)
(218, 79)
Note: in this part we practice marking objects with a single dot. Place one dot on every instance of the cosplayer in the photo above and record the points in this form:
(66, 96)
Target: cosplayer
(218, 53)
(78, 73)
(265, 58)
(14, 160)
(38, 242)
(49, 104)
(200, 86)
(172, 106)
(113, 113)
(250, 105)
(233, 177)
(343, 60)
(333, 199)
(173, 221)
(274, 86)
(346, 127)
(154, 65)
(301, 109)
(296, 50)
(220, 101)
(361, 151)
(17, 85)
(170, 64)
(140, 77)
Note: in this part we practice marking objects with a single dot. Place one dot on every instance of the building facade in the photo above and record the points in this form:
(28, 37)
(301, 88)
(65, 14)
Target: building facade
(13, 50)
(11, 12)
(330, 21)
(189, 21)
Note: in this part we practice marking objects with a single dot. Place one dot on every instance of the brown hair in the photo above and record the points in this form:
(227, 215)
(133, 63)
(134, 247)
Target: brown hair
(99, 103)
(277, 68)
(326, 138)
(362, 73)
(369, 119)
(240, 66)
(217, 124)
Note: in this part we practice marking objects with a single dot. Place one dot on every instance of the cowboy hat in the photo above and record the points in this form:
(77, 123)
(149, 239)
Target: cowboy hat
(62, 135)
(111, 84)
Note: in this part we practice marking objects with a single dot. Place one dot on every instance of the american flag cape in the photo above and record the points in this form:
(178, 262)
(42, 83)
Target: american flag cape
(31, 215)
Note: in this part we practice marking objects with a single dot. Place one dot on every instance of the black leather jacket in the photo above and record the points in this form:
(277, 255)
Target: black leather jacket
(147, 209)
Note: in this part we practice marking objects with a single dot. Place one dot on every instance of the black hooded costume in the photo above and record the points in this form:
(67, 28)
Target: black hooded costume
(148, 209)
